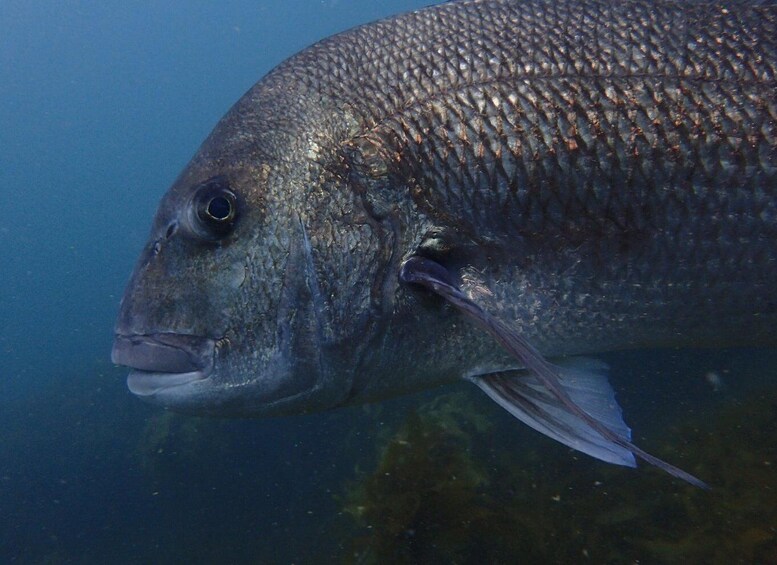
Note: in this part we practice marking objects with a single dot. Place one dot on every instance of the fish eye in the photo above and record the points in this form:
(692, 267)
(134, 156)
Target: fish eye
(215, 206)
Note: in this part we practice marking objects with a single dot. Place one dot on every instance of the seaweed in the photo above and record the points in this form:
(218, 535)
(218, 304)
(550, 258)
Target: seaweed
(440, 492)
(429, 500)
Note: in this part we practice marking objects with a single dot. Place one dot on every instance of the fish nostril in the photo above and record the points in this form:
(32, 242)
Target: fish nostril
(171, 229)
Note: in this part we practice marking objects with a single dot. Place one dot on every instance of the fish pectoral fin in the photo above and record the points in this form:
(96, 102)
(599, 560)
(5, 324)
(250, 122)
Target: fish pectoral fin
(436, 278)
(585, 382)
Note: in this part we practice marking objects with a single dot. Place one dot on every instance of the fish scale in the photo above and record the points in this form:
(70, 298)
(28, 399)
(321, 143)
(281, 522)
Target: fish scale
(608, 174)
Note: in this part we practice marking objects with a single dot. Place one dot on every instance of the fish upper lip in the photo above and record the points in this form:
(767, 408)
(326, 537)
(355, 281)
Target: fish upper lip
(163, 360)
(163, 352)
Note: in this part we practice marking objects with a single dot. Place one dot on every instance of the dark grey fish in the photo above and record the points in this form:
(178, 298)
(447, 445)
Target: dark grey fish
(468, 191)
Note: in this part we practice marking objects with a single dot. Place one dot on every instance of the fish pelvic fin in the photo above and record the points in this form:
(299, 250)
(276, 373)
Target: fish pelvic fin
(545, 402)
(525, 397)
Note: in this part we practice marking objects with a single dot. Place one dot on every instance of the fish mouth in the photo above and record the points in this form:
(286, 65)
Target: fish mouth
(163, 360)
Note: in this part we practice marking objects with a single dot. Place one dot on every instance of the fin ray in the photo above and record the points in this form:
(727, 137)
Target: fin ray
(524, 397)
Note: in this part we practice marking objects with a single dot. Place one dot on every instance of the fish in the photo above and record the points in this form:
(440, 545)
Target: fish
(493, 191)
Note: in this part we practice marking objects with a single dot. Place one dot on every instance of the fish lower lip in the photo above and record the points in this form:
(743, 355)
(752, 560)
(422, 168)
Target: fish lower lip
(144, 383)
(163, 360)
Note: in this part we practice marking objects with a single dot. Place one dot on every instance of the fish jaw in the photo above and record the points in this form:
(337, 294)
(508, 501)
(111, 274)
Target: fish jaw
(179, 372)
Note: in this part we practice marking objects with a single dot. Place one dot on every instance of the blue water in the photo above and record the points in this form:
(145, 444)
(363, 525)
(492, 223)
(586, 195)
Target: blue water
(101, 105)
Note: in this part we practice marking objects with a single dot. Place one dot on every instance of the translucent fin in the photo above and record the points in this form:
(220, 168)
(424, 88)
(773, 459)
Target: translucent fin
(521, 394)
(586, 382)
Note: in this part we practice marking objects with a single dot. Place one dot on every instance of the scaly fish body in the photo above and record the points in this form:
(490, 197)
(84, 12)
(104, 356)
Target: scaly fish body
(601, 175)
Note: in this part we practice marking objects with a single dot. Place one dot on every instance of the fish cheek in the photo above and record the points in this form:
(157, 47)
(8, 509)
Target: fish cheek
(183, 287)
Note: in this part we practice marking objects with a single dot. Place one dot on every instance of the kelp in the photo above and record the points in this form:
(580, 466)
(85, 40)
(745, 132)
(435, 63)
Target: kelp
(429, 499)
(442, 492)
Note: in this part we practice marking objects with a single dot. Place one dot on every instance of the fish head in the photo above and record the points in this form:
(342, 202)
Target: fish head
(256, 291)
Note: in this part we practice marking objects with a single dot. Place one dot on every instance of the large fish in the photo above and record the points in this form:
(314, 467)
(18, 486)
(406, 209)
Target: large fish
(479, 190)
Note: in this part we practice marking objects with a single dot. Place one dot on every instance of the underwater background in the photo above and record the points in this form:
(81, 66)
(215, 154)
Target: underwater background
(101, 105)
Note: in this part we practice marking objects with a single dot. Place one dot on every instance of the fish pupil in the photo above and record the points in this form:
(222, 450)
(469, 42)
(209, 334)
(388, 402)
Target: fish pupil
(220, 208)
